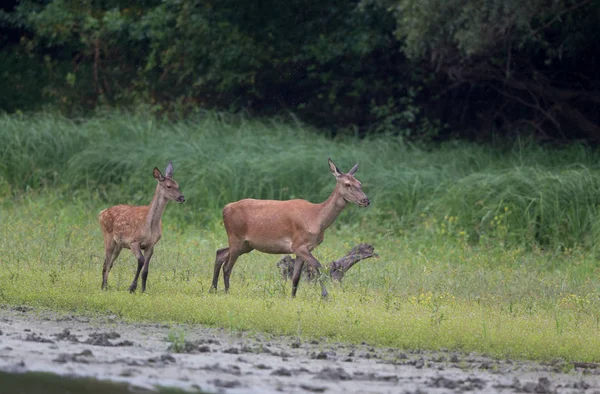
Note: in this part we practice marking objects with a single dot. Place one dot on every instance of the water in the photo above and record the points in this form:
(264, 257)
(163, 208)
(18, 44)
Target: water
(47, 383)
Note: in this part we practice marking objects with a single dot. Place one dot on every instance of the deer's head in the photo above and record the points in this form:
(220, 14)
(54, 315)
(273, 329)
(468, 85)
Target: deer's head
(169, 189)
(349, 186)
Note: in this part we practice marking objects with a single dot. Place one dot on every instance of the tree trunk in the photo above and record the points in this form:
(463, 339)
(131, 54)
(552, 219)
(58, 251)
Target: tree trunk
(337, 268)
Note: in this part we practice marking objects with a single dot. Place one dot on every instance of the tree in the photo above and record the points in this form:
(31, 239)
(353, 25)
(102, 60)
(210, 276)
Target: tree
(517, 62)
(332, 64)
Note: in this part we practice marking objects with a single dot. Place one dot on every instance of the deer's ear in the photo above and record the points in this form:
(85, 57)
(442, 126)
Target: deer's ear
(157, 175)
(333, 168)
(169, 170)
(353, 169)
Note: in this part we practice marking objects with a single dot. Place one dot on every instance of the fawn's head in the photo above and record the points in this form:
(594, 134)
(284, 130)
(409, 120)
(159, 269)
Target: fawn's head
(168, 188)
(349, 186)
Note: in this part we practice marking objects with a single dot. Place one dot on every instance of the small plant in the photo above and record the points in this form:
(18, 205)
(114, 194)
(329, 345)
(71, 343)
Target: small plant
(575, 302)
(437, 304)
(176, 338)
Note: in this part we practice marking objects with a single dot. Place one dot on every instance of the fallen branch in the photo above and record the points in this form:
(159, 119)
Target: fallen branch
(337, 268)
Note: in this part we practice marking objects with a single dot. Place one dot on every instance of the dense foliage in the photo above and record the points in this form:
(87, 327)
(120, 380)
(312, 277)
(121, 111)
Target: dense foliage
(414, 68)
(510, 61)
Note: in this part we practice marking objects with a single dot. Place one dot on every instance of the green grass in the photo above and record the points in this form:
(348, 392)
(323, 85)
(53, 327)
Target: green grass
(488, 249)
(447, 295)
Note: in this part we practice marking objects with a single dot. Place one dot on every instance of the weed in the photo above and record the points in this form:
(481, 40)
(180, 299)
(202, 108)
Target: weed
(176, 338)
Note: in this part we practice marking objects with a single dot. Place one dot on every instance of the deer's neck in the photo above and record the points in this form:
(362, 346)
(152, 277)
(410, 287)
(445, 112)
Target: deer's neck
(331, 208)
(155, 212)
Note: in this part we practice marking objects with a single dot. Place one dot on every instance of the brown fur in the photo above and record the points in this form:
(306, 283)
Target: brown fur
(120, 224)
(137, 227)
(280, 227)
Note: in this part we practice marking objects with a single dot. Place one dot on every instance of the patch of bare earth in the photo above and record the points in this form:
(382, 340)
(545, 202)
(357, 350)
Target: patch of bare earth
(214, 360)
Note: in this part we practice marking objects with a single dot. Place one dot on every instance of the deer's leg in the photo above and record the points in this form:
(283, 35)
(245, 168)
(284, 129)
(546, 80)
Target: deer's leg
(148, 256)
(112, 251)
(298, 264)
(234, 253)
(137, 252)
(228, 267)
(305, 255)
(222, 257)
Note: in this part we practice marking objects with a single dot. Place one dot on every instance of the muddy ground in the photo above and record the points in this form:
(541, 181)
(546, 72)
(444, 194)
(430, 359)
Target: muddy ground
(213, 360)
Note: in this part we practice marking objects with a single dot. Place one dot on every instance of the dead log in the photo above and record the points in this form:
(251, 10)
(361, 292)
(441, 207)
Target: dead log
(337, 268)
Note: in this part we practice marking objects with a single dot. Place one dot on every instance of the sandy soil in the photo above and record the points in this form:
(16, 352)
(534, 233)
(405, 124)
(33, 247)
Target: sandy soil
(217, 361)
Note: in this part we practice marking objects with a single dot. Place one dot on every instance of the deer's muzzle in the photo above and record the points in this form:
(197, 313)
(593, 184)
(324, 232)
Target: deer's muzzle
(365, 202)
(181, 199)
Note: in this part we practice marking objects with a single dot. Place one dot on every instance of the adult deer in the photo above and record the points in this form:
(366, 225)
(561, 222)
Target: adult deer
(283, 227)
(137, 227)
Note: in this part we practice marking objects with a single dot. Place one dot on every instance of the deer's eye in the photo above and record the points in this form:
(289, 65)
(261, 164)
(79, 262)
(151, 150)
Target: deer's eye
(348, 185)
(168, 186)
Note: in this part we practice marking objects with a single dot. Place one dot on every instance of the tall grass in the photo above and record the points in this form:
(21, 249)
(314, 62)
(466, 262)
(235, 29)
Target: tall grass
(516, 194)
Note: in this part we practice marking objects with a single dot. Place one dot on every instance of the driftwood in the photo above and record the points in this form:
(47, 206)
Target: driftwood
(337, 268)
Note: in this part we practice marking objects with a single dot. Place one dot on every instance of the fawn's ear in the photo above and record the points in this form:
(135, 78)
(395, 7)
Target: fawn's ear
(169, 170)
(158, 175)
(353, 169)
(333, 168)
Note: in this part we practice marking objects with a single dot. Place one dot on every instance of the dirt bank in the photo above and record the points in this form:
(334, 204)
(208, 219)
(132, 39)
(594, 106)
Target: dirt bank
(214, 360)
